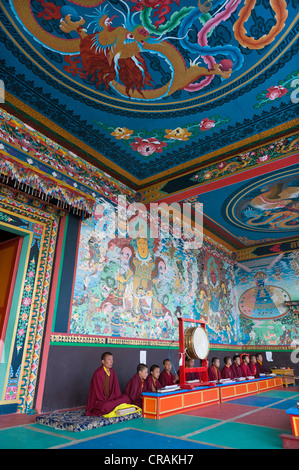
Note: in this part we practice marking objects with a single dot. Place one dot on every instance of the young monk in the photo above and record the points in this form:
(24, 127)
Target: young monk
(189, 363)
(191, 375)
(236, 366)
(152, 381)
(246, 372)
(135, 386)
(252, 365)
(226, 371)
(104, 391)
(213, 370)
(166, 376)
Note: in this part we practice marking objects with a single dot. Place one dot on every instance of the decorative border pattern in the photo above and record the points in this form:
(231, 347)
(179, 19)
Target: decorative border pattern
(26, 349)
(71, 339)
(231, 165)
(74, 340)
(268, 249)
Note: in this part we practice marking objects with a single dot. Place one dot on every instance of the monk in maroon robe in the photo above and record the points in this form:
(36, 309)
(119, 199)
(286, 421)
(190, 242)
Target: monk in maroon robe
(246, 372)
(192, 375)
(152, 383)
(259, 365)
(252, 366)
(226, 371)
(166, 376)
(135, 386)
(104, 391)
(236, 367)
(213, 370)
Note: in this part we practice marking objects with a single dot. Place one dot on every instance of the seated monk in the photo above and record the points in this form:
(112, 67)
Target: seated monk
(236, 366)
(104, 391)
(246, 372)
(166, 376)
(192, 375)
(260, 366)
(152, 383)
(226, 371)
(189, 363)
(252, 366)
(135, 386)
(213, 370)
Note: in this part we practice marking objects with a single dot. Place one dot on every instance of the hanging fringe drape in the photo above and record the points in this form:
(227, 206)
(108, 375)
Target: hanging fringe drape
(22, 178)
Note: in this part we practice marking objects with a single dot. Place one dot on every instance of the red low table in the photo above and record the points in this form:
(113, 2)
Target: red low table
(161, 405)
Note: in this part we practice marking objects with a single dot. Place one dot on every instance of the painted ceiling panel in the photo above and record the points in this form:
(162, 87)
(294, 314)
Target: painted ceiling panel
(258, 210)
(151, 85)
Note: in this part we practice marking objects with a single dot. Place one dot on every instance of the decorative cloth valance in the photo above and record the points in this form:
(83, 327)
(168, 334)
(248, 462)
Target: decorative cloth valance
(25, 178)
(36, 165)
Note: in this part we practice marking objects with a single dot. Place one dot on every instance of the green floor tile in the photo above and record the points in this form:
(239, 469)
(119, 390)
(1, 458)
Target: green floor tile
(178, 425)
(287, 394)
(26, 438)
(242, 436)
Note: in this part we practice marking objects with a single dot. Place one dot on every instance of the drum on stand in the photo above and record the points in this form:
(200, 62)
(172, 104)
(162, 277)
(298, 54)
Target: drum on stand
(197, 343)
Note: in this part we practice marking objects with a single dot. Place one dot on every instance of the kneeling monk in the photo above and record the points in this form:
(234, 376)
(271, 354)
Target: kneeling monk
(104, 391)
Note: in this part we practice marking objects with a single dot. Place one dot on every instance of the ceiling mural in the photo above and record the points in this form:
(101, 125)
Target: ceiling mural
(167, 97)
(262, 209)
(150, 85)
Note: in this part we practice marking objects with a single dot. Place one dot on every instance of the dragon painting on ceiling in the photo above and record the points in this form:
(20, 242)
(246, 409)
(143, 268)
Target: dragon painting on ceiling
(120, 45)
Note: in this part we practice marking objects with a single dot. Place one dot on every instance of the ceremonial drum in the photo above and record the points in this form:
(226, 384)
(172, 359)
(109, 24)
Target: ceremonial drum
(196, 343)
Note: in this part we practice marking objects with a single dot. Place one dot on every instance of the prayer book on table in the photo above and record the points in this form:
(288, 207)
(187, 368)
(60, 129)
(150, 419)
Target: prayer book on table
(169, 388)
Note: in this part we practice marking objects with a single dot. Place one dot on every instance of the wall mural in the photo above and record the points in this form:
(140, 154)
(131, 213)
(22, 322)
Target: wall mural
(262, 286)
(133, 288)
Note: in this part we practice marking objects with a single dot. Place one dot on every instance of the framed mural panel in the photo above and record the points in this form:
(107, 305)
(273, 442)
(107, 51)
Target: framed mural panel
(132, 289)
(262, 291)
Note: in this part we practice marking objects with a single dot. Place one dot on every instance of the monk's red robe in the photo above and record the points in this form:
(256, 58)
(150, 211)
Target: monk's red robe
(191, 376)
(226, 372)
(260, 368)
(98, 403)
(151, 385)
(253, 369)
(236, 370)
(134, 389)
(245, 370)
(214, 373)
(166, 378)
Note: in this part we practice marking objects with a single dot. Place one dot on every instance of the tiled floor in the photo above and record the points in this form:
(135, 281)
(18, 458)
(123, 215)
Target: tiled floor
(254, 422)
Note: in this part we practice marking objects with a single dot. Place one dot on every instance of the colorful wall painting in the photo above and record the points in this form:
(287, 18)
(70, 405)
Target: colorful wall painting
(132, 288)
(262, 287)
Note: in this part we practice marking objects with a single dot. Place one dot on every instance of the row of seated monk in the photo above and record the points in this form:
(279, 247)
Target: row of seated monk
(239, 366)
(105, 394)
